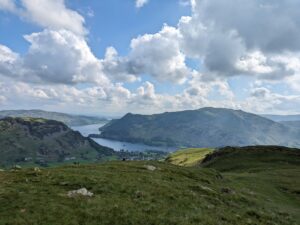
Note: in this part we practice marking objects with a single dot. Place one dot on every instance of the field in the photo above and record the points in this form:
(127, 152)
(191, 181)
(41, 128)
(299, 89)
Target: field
(149, 192)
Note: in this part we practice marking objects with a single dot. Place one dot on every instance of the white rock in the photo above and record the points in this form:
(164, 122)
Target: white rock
(36, 169)
(150, 167)
(17, 167)
(80, 192)
(206, 189)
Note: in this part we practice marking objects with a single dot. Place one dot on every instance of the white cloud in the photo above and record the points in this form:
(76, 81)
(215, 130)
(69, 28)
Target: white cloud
(140, 3)
(62, 57)
(7, 56)
(146, 94)
(159, 55)
(9, 62)
(255, 63)
(52, 14)
(276, 19)
(241, 37)
(185, 3)
(54, 57)
(117, 68)
(26, 95)
(8, 5)
(264, 100)
(226, 39)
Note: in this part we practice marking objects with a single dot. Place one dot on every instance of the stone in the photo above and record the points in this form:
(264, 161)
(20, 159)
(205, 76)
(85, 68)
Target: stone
(36, 169)
(22, 210)
(80, 192)
(17, 167)
(150, 167)
(204, 188)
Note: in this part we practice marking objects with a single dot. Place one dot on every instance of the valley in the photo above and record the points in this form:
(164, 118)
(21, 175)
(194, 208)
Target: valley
(118, 145)
(149, 112)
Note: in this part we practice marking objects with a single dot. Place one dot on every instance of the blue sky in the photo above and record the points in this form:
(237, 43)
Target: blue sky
(114, 56)
(110, 23)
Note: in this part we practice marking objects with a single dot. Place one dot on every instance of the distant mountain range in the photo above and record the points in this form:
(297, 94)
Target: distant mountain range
(41, 141)
(295, 124)
(206, 127)
(280, 118)
(70, 120)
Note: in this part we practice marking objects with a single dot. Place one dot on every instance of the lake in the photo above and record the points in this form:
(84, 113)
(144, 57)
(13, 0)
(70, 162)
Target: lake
(118, 145)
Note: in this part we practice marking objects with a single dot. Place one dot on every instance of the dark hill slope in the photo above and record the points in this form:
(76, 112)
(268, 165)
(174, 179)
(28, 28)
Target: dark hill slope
(206, 127)
(270, 173)
(40, 140)
(252, 157)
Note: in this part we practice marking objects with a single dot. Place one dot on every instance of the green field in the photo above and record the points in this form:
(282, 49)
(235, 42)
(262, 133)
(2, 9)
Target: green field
(233, 188)
(188, 157)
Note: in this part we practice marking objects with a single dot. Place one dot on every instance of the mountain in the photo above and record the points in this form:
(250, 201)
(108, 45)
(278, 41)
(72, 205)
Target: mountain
(206, 127)
(259, 185)
(70, 120)
(41, 141)
(279, 118)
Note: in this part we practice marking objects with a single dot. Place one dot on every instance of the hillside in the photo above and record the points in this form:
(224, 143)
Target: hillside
(241, 159)
(29, 140)
(158, 193)
(206, 127)
(188, 157)
(70, 120)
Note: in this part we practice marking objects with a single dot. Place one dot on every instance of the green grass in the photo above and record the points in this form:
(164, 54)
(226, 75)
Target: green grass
(188, 157)
(127, 193)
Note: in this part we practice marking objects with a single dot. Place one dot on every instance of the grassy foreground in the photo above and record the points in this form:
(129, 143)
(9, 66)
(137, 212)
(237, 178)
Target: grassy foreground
(188, 157)
(128, 193)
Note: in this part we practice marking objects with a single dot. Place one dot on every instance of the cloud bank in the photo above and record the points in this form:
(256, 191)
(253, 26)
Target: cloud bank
(254, 40)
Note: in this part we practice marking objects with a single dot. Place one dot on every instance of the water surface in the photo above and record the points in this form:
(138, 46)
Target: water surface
(118, 145)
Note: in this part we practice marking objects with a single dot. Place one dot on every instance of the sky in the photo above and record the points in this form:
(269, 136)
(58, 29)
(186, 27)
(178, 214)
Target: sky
(110, 57)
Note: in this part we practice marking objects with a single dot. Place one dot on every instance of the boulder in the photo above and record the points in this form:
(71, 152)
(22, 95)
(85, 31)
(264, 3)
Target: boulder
(36, 169)
(80, 192)
(16, 167)
(150, 167)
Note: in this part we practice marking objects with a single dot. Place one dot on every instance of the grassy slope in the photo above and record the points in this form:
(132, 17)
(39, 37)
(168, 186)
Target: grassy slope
(188, 157)
(270, 173)
(127, 193)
